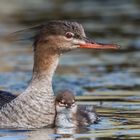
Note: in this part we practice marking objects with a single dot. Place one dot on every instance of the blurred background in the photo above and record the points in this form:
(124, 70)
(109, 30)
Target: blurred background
(112, 77)
(104, 21)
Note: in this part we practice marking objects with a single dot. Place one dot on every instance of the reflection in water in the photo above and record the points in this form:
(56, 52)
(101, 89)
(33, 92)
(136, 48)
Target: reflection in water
(41, 134)
(112, 78)
(65, 133)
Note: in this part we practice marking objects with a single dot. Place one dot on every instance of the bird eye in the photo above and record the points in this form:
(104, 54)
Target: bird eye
(69, 35)
(62, 103)
(73, 104)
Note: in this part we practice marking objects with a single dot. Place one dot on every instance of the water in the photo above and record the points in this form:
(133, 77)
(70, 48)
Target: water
(110, 80)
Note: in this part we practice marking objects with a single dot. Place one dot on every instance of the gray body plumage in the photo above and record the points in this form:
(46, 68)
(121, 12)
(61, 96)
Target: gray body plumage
(34, 108)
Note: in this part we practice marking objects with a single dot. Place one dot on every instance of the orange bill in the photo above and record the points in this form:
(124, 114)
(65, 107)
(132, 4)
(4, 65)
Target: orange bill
(99, 46)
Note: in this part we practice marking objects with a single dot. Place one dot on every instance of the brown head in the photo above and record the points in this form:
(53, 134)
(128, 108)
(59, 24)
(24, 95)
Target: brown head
(65, 98)
(57, 37)
(62, 36)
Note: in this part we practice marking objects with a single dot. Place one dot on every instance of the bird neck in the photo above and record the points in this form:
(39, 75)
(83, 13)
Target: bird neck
(45, 63)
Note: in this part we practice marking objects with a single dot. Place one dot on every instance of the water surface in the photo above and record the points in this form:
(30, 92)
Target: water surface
(110, 80)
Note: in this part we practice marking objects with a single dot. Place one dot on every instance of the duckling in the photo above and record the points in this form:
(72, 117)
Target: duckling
(69, 114)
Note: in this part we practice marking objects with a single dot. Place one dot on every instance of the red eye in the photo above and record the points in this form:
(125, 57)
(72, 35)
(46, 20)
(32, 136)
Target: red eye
(69, 35)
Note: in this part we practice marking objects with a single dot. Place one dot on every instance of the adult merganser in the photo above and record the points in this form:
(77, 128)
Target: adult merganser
(35, 107)
(69, 114)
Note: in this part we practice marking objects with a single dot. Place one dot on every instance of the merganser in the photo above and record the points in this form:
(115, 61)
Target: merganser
(35, 107)
(69, 114)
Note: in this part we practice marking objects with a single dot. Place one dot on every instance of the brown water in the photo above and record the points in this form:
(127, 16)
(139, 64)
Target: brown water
(110, 80)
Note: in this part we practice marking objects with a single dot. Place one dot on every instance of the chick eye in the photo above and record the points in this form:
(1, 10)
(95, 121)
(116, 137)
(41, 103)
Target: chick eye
(69, 35)
(61, 104)
(73, 104)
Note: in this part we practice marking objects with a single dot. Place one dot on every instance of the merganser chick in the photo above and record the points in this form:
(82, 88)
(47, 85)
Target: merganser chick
(35, 107)
(69, 114)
